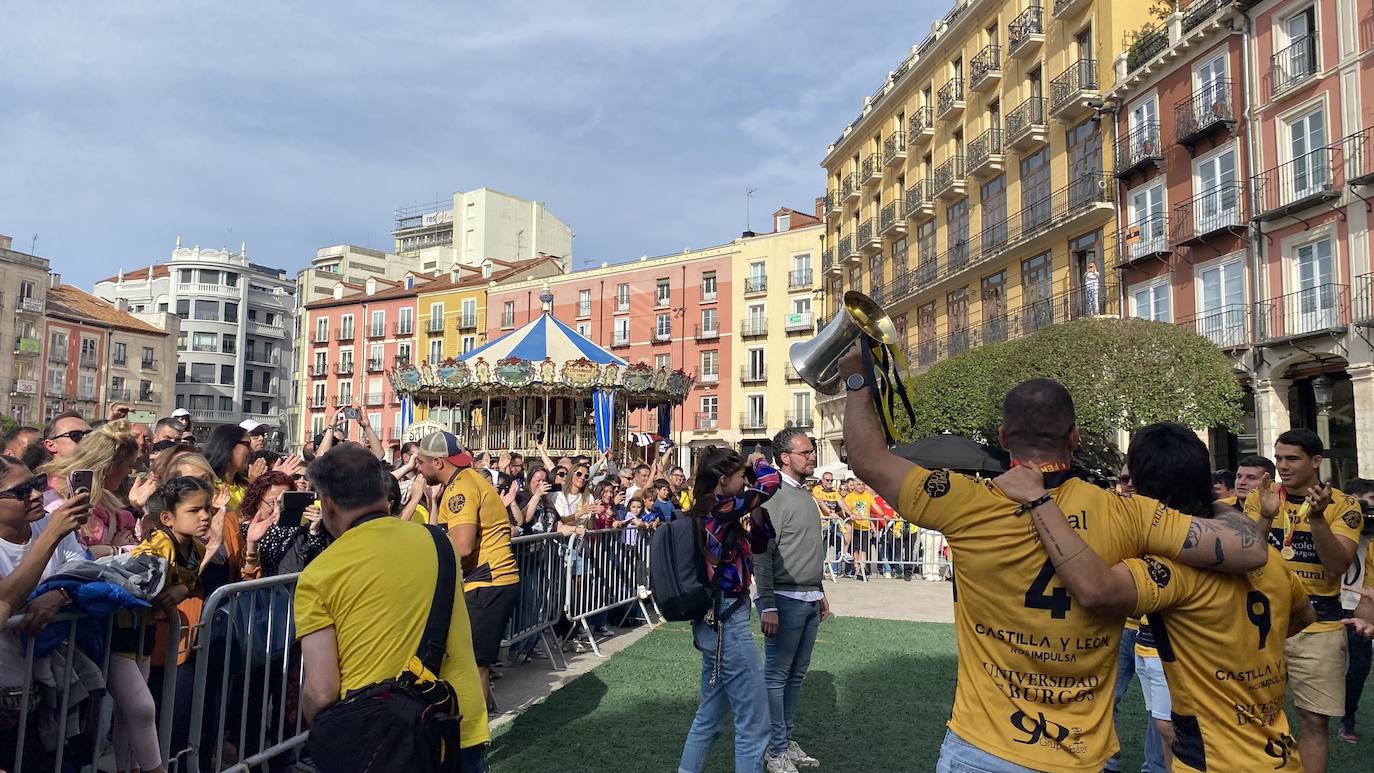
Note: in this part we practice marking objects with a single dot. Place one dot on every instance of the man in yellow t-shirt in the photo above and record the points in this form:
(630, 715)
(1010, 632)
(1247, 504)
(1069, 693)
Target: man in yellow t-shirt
(1317, 529)
(361, 606)
(477, 522)
(1036, 670)
(859, 503)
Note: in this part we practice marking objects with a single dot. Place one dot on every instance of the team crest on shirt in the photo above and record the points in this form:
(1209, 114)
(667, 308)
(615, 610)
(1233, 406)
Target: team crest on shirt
(1158, 572)
(937, 484)
(456, 502)
(1352, 518)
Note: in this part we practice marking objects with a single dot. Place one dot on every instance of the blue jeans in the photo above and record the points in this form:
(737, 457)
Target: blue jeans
(960, 756)
(1154, 743)
(740, 689)
(785, 660)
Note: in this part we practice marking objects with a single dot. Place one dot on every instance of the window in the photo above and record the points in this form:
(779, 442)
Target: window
(147, 361)
(622, 297)
(994, 295)
(57, 380)
(1035, 187)
(508, 314)
(1145, 232)
(709, 406)
(321, 364)
(318, 401)
(181, 341)
(204, 342)
(231, 311)
(346, 360)
(1037, 307)
(226, 404)
(584, 303)
(88, 348)
(407, 322)
(1310, 170)
(252, 315)
(230, 343)
(226, 374)
(994, 212)
(57, 340)
(708, 286)
(622, 330)
(185, 276)
(469, 312)
(800, 275)
(378, 327)
(85, 389)
(346, 327)
(1143, 114)
(957, 235)
(755, 417)
(584, 329)
(374, 357)
(662, 293)
(322, 329)
(202, 373)
(403, 352)
(1151, 300)
(209, 277)
(1217, 204)
(663, 361)
(801, 306)
(120, 354)
(1318, 304)
(1221, 302)
(757, 367)
(207, 310)
(757, 281)
(265, 378)
(663, 326)
(710, 365)
(346, 393)
(183, 308)
(757, 318)
(436, 351)
(783, 223)
(145, 391)
(469, 343)
(801, 409)
(374, 420)
(436, 316)
(708, 321)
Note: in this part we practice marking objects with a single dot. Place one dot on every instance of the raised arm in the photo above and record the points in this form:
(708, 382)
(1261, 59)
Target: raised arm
(869, 455)
(370, 435)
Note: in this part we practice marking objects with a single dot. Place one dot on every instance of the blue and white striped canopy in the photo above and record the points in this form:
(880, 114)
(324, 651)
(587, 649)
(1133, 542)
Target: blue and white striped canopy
(543, 336)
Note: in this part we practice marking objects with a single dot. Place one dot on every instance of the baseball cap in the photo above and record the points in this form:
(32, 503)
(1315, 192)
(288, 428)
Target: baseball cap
(445, 445)
(181, 412)
(253, 427)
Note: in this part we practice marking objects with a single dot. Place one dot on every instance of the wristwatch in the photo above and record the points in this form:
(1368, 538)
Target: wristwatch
(855, 382)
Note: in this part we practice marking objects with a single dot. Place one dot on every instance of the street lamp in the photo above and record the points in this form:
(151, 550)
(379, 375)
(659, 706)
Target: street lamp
(1321, 394)
(1321, 391)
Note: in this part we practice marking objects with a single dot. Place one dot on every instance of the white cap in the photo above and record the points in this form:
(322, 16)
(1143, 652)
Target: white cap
(181, 412)
(250, 426)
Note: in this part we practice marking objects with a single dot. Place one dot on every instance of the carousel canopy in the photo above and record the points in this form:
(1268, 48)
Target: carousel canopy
(543, 337)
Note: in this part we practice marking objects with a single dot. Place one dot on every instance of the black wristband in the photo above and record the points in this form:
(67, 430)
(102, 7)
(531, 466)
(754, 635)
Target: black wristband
(1034, 503)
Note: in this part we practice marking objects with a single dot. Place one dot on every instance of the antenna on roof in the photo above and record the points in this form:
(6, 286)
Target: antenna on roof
(33, 245)
(748, 194)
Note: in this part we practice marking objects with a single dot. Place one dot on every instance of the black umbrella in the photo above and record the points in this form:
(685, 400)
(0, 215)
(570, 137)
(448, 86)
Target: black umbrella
(954, 452)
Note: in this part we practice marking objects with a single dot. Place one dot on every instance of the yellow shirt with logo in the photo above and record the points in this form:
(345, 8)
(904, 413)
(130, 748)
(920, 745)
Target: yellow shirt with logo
(1344, 517)
(374, 585)
(1220, 638)
(471, 499)
(861, 505)
(1035, 668)
(830, 499)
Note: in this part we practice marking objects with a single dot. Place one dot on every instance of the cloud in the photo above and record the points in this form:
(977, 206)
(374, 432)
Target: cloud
(293, 126)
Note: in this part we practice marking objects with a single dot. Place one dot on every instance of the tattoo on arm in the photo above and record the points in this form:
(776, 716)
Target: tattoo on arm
(1191, 540)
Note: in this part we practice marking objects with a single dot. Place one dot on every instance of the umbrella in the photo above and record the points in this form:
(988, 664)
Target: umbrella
(954, 452)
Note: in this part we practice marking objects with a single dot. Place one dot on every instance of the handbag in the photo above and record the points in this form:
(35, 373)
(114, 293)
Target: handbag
(406, 723)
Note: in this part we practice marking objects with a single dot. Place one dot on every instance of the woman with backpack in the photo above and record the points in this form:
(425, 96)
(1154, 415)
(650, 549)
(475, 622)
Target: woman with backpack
(731, 527)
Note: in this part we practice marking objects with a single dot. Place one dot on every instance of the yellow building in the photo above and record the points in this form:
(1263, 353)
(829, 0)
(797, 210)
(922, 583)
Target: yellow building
(973, 193)
(776, 279)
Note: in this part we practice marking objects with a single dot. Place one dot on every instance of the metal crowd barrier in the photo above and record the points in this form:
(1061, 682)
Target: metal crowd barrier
(606, 569)
(60, 722)
(543, 587)
(888, 546)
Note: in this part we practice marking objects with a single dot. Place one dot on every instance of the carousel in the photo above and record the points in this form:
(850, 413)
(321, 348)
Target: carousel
(541, 384)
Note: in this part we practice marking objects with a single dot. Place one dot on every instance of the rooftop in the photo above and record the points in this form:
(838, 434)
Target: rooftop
(78, 305)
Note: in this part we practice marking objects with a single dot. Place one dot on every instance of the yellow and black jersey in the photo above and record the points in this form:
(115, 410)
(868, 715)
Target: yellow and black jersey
(1036, 670)
(1232, 501)
(1220, 638)
(830, 499)
(1291, 535)
(471, 499)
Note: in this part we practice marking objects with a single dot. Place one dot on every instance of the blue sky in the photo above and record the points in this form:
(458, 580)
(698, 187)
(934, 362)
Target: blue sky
(124, 125)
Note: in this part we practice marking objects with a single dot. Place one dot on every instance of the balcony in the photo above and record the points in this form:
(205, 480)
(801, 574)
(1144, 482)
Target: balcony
(374, 398)
(1149, 43)
(1363, 311)
(374, 365)
(344, 368)
(891, 220)
(619, 340)
(467, 321)
(828, 263)
(950, 179)
(894, 149)
(797, 322)
(985, 68)
(399, 329)
(343, 400)
(920, 201)
(801, 419)
(950, 100)
(790, 373)
(1026, 127)
(318, 401)
(708, 378)
(755, 284)
(119, 395)
(1218, 209)
(1026, 33)
(319, 370)
(149, 397)
(321, 337)
(400, 362)
(749, 420)
(58, 356)
(707, 333)
(850, 188)
(706, 422)
(1148, 237)
(87, 361)
(1359, 156)
(1139, 149)
(801, 278)
(257, 357)
(1312, 311)
(985, 156)
(28, 305)
(376, 331)
(847, 253)
(1307, 181)
(1200, 11)
(748, 375)
(1071, 90)
(829, 204)
(869, 240)
(147, 365)
(872, 170)
(188, 289)
(1293, 66)
(27, 346)
(921, 125)
(436, 325)
(1228, 326)
(266, 331)
(346, 335)
(753, 327)
(1209, 109)
(1063, 8)
(663, 336)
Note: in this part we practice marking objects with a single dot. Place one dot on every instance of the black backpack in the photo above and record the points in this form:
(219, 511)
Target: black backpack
(677, 570)
(401, 723)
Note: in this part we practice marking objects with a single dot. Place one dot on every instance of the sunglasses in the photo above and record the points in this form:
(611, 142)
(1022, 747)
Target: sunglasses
(579, 475)
(561, 474)
(74, 435)
(26, 489)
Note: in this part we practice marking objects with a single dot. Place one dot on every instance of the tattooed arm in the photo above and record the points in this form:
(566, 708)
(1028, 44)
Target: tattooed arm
(1228, 542)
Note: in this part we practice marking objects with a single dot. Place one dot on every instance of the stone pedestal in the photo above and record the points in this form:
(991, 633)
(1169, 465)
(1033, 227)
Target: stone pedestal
(1271, 412)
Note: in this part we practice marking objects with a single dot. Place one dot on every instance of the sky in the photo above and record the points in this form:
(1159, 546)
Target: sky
(294, 126)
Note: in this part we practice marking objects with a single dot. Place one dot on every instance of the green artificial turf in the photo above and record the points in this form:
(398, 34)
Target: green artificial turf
(876, 699)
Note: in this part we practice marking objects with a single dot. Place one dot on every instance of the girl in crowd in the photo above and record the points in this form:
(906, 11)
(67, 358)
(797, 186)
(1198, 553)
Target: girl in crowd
(267, 542)
(111, 452)
(734, 527)
(534, 511)
(573, 502)
(228, 450)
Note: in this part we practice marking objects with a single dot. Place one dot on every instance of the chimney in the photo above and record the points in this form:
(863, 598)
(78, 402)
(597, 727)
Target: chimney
(54, 279)
(5, 242)
(748, 235)
(122, 304)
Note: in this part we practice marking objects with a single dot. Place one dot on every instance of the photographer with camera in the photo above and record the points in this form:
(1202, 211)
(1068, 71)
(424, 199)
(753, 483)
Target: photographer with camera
(337, 432)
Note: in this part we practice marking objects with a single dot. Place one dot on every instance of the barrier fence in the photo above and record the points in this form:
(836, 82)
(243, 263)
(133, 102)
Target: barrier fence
(886, 546)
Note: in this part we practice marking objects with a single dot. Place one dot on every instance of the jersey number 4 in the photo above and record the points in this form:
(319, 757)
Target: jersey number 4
(1057, 601)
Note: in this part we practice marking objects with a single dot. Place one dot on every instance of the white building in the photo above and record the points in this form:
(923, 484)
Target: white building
(235, 346)
(480, 224)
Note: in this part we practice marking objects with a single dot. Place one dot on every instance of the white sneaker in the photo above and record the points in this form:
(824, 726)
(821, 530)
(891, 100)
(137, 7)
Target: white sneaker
(800, 758)
(781, 764)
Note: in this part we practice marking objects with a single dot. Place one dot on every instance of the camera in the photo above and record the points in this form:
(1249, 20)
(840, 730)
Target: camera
(1368, 510)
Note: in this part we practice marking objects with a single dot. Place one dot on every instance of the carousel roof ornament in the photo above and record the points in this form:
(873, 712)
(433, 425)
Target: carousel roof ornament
(542, 357)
